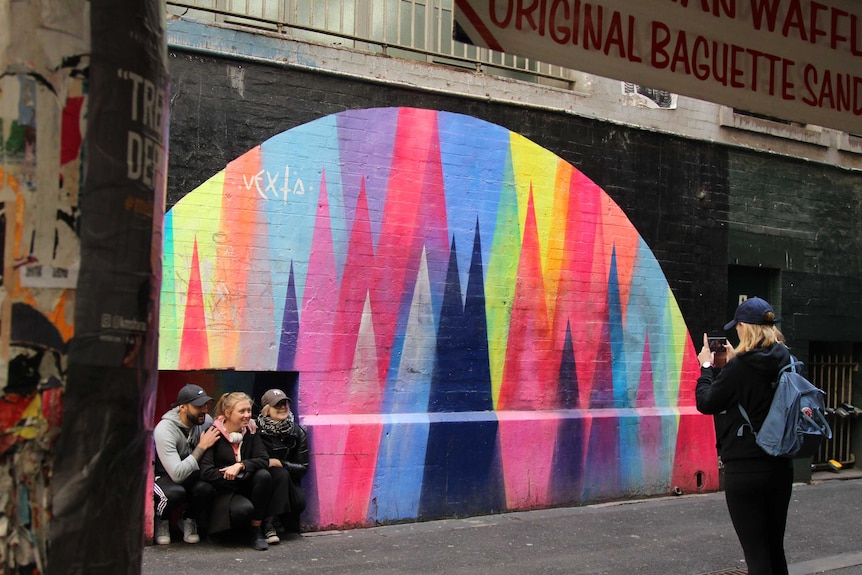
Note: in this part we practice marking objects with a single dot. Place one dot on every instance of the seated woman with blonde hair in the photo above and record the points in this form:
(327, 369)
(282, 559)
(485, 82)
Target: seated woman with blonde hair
(237, 465)
(286, 443)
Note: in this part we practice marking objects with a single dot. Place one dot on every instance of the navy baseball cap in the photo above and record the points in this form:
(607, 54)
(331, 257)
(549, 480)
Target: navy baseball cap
(191, 393)
(753, 311)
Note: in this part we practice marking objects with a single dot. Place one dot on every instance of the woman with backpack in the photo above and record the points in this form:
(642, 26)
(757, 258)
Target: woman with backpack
(757, 485)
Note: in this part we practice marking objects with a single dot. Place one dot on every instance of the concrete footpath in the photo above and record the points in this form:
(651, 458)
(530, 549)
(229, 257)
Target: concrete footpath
(685, 535)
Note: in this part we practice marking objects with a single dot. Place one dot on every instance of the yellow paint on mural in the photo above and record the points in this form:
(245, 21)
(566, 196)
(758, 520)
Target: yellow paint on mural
(557, 236)
(537, 173)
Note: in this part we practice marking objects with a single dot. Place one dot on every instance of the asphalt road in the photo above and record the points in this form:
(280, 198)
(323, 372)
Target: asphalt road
(686, 535)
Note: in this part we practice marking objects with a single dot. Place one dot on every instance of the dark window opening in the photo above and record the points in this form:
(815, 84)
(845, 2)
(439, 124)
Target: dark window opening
(217, 382)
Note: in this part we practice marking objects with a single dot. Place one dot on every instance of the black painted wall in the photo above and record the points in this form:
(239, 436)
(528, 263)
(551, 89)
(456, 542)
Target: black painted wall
(805, 221)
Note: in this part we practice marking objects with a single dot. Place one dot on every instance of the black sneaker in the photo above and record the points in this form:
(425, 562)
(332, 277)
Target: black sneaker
(269, 533)
(258, 540)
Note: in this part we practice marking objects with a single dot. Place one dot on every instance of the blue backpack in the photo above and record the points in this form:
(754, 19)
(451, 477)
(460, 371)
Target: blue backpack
(796, 423)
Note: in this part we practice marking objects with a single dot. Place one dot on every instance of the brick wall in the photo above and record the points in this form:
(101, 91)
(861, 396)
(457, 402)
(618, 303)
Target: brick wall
(414, 418)
(673, 190)
(804, 221)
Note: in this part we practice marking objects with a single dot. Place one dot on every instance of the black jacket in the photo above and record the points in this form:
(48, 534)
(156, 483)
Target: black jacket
(288, 499)
(747, 379)
(220, 454)
(291, 449)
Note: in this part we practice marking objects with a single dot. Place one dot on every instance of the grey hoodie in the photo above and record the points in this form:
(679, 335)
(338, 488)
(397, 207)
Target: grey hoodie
(175, 442)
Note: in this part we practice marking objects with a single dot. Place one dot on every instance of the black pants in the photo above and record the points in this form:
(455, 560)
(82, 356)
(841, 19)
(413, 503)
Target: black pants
(237, 503)
(757, 498)
(254, 505)
(168, 496)
(288, 499)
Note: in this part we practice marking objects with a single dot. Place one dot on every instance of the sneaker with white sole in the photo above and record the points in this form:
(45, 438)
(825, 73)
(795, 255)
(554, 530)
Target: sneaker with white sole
(190, 531)
(163, 532)
(269, 533)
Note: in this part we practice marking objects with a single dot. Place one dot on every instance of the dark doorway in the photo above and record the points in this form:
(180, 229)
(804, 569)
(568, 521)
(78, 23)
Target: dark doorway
(744, 282)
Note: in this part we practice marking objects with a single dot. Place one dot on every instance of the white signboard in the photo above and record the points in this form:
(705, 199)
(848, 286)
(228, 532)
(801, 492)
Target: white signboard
(800, 60)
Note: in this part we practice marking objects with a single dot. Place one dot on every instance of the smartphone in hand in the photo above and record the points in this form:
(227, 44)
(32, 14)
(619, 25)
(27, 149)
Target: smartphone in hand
(717, 346)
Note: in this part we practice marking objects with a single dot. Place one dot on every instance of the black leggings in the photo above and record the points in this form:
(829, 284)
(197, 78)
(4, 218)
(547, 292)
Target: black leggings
(757, 500)
(257, 491)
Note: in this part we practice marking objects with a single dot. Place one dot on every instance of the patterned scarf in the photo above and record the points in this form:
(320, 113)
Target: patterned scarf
(269, 426)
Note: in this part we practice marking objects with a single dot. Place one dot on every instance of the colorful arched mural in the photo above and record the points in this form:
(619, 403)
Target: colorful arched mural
(476, 325)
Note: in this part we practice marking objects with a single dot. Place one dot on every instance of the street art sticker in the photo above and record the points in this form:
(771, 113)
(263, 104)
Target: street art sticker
(476, 325)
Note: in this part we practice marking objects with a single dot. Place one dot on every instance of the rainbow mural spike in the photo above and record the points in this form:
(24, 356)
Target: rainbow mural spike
(476, 325)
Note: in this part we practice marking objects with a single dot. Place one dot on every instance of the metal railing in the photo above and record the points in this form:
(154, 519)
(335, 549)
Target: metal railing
(412, 29)
(834, 375)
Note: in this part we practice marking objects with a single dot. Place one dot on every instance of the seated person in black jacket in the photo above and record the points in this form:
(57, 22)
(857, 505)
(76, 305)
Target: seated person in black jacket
(287, 444)
(238, 467)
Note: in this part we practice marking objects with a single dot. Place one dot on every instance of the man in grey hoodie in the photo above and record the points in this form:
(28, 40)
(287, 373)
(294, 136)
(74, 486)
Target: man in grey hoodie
(182, 436)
